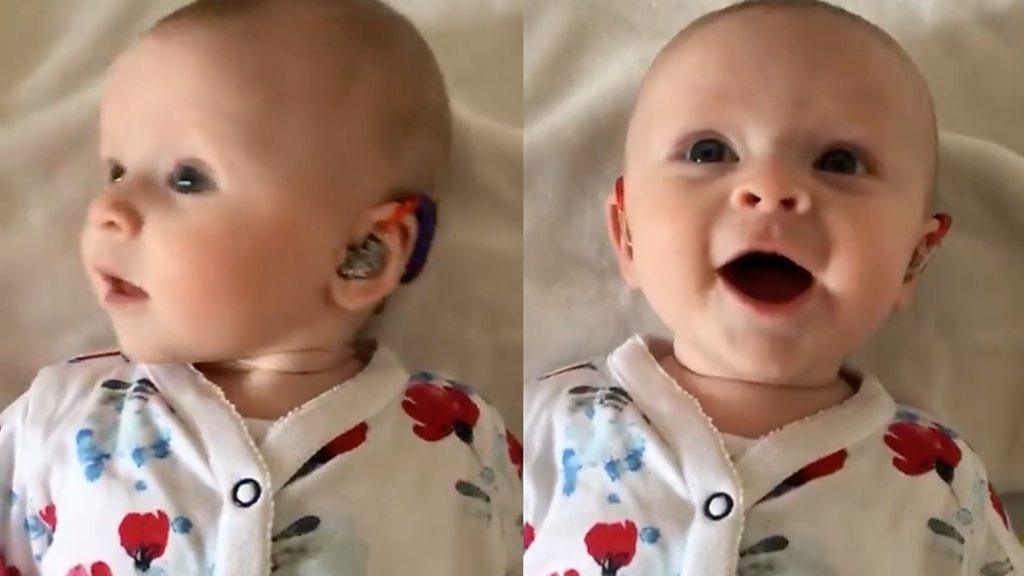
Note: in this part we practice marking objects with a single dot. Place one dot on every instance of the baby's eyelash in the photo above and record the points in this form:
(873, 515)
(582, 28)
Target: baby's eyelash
(187, 177)
(710, 150)
(841, 161)
(115, 172)
(191, 177)
(704, 147)
(851, 159)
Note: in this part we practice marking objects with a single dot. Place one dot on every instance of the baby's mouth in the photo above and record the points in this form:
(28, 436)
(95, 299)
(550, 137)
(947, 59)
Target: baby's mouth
(767, 277)
(120, 288)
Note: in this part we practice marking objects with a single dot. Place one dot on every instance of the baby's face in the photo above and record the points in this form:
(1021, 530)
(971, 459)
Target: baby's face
(786, 131)
(229, 205)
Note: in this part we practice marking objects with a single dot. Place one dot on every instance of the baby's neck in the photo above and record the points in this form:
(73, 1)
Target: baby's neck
(271, 385)
(753, 409)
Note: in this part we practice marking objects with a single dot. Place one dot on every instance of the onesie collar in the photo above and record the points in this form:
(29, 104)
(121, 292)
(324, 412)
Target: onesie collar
(678, 416)
(301, 433)
(297, 436)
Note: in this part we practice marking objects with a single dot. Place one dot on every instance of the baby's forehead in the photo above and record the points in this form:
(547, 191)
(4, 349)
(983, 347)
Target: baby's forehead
(289, 58)
(799, 57)
(819, 42)
(332, 74)
(275, 48)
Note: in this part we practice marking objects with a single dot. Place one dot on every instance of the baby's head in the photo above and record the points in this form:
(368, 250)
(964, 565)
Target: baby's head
(785, 127)
(248, 145)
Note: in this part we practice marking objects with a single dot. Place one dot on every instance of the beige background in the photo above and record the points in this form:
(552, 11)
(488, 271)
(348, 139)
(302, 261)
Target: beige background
(957, 353)
(463, 317)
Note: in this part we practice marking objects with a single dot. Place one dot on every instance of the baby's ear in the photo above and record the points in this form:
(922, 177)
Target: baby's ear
(618, 232)
(370, 267)
(930, 237)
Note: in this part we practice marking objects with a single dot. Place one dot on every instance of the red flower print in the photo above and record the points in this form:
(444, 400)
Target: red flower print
(345, 442)
(144, 537)
(920, 450)
(49, 517)
(439, 411)
(612, 546)
(823, 467)
(98, 569)
(6, 570)
(818, 469)
(528, 535)
(998, 505)
(515, 452)
(566, 573)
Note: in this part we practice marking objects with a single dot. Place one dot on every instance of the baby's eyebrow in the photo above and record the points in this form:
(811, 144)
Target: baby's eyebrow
(698, 91)
(194, 162)
(854, 145)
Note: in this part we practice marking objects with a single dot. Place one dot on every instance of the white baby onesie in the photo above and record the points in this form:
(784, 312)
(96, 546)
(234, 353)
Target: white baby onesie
(626, 476)
(112, 467)
(258, 428)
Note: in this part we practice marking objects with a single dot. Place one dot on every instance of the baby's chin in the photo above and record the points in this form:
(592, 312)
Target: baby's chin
(778, 365)
(754, 357)
(150, 352)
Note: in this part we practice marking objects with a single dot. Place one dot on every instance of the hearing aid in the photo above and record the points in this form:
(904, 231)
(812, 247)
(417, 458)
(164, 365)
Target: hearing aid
(620, 212)
(367, 260)
(923, 252)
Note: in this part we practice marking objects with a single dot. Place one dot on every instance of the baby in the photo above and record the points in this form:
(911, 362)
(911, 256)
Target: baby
(270, 166)
(774, 210)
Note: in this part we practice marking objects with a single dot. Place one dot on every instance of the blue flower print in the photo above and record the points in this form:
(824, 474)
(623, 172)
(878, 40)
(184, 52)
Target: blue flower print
(604, 432)
(90, 456)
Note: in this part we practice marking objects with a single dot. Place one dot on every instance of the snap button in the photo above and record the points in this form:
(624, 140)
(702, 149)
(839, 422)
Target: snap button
(246, 492)
(718, 506)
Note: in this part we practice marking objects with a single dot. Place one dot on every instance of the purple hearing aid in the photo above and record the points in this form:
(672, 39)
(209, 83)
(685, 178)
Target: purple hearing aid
(367, 260)
(426, 219)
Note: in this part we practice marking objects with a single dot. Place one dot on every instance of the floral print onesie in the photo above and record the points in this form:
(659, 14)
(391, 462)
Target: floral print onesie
(114, 468)
(626, 476)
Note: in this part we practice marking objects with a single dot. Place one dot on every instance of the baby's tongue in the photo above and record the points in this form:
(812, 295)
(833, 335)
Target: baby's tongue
(768, 278)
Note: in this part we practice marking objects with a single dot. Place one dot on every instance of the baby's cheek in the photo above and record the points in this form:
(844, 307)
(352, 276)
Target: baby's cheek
(244, 278)
(664, 268)
(199, 274)
(206, 301)
(868, 281)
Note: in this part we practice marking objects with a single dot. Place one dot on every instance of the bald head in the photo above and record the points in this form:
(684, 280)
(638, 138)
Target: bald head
(813, 4)
(826, 40)
(366, 63)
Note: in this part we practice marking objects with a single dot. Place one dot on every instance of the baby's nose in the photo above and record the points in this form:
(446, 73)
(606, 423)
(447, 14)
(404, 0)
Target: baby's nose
(771, 198)
(113, 213)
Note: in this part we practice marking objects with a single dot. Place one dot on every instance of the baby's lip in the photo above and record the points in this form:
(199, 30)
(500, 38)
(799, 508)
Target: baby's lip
(119, 285)
(777, 248)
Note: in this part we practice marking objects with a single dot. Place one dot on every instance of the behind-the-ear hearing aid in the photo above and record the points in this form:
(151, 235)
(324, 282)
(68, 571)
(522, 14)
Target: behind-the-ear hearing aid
(364, 261)
(620, 210)
(367, 260)
(924, 250)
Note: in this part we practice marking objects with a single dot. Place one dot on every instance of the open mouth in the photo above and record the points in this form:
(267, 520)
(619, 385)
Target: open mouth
(767, 277)
(122, 289)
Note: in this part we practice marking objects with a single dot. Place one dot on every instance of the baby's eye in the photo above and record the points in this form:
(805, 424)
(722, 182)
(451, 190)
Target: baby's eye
(188, 179)
(710, 150)
(115, 173)
(841, 161)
